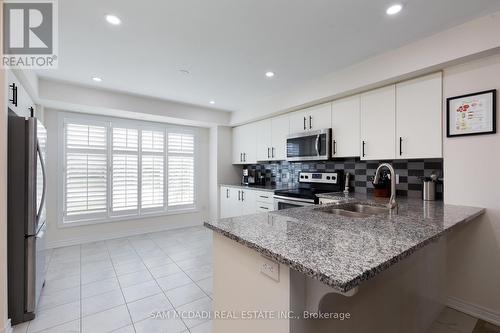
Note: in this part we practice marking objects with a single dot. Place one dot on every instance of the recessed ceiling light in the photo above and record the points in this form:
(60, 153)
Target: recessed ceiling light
(97, 79)
(212, 102)
(394, 9)
(269, 74)
(113, 19)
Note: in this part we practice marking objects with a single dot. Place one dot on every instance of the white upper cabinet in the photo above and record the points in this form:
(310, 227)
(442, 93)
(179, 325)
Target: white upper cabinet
(419, 117)
(271, 138)
(19, 100)
(280, 128)
(345, 127)
(313, 118)
(264, 139)
(378, 121)
(245, 144)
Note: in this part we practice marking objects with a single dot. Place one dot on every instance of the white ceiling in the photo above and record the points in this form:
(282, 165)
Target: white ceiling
(228, 45)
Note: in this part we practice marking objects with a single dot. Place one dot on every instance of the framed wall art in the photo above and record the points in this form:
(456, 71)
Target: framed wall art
(471, 114)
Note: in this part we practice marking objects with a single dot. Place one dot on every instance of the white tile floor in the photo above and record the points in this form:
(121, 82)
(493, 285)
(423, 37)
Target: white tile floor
(115, 285)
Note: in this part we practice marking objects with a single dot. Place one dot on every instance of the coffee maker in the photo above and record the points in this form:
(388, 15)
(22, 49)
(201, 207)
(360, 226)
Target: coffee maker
(248, 177)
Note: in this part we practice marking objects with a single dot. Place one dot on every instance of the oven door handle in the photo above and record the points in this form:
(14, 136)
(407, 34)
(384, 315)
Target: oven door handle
(293, 200)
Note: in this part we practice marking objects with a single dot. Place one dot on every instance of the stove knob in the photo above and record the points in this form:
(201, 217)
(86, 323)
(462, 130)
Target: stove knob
(327, 177)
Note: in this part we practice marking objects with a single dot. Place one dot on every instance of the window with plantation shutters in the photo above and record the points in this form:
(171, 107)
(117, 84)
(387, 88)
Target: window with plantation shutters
(119, 169)
(125, 171)
(152, 170)
(180, 157)
(85, 171)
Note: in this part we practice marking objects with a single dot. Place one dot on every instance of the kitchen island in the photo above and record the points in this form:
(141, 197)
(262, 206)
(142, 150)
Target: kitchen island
(384, 270)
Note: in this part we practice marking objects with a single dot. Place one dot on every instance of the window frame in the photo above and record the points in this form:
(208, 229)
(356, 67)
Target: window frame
(140, 213)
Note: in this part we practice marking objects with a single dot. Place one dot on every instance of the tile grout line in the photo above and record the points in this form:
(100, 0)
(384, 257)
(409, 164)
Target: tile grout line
(119, 284)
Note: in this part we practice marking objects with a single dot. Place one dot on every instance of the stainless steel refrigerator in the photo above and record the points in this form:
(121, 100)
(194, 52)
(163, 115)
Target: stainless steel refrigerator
(26, 217)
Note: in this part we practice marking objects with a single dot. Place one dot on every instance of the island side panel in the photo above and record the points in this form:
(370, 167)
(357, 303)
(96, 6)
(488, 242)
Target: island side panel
(240, 286)
(407, 297)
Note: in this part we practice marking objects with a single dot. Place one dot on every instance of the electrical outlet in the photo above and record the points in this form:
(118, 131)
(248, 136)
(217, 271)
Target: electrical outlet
(270, 268)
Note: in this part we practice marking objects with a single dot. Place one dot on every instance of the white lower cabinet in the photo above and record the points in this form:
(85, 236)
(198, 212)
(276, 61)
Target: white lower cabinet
(236, 201)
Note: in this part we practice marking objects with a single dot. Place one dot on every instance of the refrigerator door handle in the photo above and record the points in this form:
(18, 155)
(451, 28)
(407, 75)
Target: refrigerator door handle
(44, 190)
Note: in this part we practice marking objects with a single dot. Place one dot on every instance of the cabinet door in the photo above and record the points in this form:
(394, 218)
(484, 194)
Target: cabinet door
(345, 127)
(249, 139)
(298, 122)
(319, 117)
(225, 207)
(18, 98)
(418, 117)
(248, 202)
(238, 144)
(280, 128)
(264, 140)
(378, 121)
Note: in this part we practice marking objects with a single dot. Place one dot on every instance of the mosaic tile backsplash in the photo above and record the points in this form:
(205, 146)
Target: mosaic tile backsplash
(362, 173)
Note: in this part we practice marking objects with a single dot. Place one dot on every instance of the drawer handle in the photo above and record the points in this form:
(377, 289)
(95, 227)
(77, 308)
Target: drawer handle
(263, 196)
(264, 208)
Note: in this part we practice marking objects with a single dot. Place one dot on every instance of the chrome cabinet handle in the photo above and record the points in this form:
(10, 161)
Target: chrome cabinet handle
(239, 195)
(272, 152)
(227, 193)
(242, 196)
(14, 94)
(304, 123)
(310, 122)
(264, 208)
(268, 152)
(334, 147)
(244, 157)
(400, 146)
(364, 143)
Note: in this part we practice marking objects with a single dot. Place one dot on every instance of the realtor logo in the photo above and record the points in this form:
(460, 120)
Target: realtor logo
(29, 34)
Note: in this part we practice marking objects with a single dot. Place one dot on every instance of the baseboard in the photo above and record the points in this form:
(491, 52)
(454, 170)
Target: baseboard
(7, 328)
(474, 310)
(120, 234)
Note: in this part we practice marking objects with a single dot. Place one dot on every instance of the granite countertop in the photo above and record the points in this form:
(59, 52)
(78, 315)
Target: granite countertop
(343, 251)
(269, 188)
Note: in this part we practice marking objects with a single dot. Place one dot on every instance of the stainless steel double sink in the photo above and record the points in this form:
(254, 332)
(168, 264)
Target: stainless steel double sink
(355, 210)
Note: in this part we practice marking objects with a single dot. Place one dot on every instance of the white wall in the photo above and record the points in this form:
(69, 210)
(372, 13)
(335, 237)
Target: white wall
(3, 199)
(472, 39)
(61, 235)
(221, 169)
(78, 98)
(471, 170)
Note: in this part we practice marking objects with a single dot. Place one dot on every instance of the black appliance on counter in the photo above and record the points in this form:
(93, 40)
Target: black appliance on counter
(310, 184)
(26, 217)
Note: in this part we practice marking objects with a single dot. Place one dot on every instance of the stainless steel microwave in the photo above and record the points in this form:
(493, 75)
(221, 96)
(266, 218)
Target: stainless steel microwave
(309, 146)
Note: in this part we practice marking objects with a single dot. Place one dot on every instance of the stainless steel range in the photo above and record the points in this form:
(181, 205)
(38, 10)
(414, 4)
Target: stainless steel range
(310, 184)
